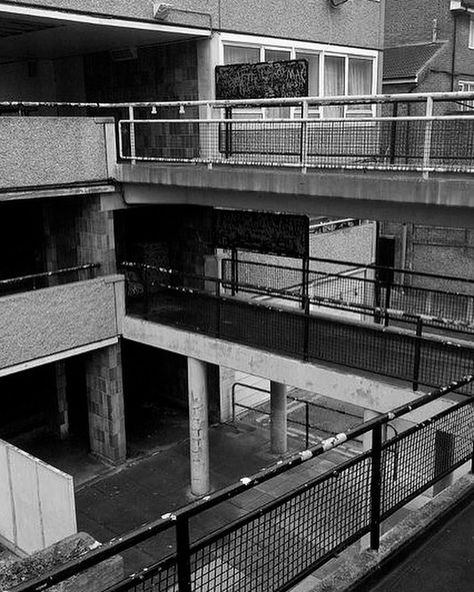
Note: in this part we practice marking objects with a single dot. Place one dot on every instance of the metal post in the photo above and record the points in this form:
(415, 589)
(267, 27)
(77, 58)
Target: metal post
(133, 150)
(428, 137)
(218, 306)
(393, 133)
(307, 424)
(306, 330)
(472, 457)
(417, 357)
(376, 487)
(305, 282)
(388, 290)
(234, 272)
(208, 135)
(146, 293)
(183, 555)
(304, 137)
(228, 132)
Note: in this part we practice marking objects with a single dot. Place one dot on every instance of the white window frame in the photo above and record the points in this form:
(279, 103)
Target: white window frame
(322, 50)
(471, 33)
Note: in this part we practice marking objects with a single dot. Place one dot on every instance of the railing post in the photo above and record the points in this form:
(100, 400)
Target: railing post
(388, 292)
(393, 133)
(133, 150)
(234, 272)
(376, 487)
(218, 307)
(208, 135)
(146, 293)
(233, 403)
(306, 330)
(304, 137)
(228, 132)
(183, 555)
(416, 360)
(307, 424)
(428, 136)
(304, 282)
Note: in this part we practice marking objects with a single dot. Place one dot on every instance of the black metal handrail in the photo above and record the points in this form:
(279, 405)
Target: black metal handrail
(42, 280)
(382, 499)
(388, 351)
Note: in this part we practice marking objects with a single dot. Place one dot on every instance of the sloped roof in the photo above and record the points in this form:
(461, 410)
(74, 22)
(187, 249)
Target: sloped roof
(407, 61)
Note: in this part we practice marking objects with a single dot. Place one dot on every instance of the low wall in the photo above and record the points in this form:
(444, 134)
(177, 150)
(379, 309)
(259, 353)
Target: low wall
(95, 579)
(51, 150)
(52, 320)
(37, 505)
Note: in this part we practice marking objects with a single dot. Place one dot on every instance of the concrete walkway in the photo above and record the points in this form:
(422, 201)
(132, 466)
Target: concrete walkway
(143, 490)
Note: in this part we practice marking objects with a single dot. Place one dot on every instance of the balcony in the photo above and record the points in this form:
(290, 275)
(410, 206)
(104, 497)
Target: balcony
(73, 312)
(408, 149)
(44, 151)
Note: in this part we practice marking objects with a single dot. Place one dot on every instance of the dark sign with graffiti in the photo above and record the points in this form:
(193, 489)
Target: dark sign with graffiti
(278, 234)
(265, 80)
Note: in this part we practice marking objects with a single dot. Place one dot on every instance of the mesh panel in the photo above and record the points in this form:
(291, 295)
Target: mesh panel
(412, 462)
(271, 550)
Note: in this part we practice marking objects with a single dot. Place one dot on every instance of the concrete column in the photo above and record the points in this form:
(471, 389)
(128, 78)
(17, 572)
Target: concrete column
(198, 427)
(105, 402)
(62, 412)
(226, 380)
(278, 402)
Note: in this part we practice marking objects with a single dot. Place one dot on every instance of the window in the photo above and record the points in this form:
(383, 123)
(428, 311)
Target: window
(466, 86)
(471, 33)
(330, 73)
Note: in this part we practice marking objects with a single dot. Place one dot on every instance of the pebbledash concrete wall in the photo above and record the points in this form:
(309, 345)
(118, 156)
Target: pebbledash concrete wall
(52, 320)
(51, 150)
(353, 23)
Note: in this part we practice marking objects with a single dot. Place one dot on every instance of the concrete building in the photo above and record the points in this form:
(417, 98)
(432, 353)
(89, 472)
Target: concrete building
(78, 197)
(429, 47)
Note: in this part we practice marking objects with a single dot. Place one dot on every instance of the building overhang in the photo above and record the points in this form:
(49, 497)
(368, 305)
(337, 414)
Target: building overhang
(27, 32)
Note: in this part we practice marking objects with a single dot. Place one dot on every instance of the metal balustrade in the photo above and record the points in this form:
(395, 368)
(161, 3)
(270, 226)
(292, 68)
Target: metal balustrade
(275, 546)
(436, 136)
(394, 302)
(197, 303)
(47, 279)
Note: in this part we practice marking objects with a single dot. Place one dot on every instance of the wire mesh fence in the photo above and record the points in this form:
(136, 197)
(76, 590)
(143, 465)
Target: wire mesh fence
(359, 143)
(165, 297)
(277, 544)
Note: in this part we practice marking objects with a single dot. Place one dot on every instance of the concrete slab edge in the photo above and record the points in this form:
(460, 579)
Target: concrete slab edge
(356, 572)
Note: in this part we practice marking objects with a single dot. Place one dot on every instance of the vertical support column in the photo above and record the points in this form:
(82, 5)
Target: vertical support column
(105, 403)
(133, 150)
(226, 381)
(198, 427)
(62, 412)
(278, 415)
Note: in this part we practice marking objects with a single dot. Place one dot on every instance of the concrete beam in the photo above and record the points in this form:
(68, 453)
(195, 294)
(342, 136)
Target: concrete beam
(444, 200)
(366, 390)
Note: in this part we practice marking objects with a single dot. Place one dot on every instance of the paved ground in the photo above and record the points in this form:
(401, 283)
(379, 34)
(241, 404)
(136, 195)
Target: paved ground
(145, 489)
(444, 563)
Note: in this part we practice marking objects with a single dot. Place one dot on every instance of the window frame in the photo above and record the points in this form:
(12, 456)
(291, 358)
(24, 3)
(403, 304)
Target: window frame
(294, 47)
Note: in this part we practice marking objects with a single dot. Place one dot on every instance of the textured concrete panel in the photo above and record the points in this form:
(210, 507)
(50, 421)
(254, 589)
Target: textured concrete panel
(44, 322)
(355, 23)
(58, 509)
(49, 150)
(7, 522)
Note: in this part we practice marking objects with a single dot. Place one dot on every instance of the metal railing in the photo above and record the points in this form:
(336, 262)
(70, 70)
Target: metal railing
(47, 279)
(407, 132)
(197, 303)
(310, 429)
(278, 544)
(434, 139)
(391, 301)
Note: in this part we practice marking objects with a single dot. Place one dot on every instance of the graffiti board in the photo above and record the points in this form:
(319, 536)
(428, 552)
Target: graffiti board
(265, 80)
(262, 232)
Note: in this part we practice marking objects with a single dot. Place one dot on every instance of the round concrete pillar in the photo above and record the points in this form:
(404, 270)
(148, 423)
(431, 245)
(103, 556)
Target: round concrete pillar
(278, 391)
(198, 427)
